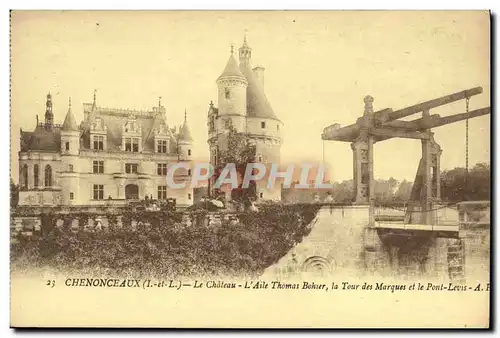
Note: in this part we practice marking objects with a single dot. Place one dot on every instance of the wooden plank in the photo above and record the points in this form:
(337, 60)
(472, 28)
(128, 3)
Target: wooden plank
(458, 117)
(420, 227)
(435, 121)
(399, 226)
(453, 228)
(388, 132)
(397, 114)
(348, 133)
(415, 125)
(417, 227)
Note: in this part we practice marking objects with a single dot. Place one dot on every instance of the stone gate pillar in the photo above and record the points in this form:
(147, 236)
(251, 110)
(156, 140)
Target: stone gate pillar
(363, 158)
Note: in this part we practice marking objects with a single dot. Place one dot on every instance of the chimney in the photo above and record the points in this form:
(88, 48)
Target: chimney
(259, 73)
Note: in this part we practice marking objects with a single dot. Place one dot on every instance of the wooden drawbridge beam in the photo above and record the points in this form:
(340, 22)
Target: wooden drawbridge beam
(383, 117)
(397, 114)
(434, 121)
(389, 133)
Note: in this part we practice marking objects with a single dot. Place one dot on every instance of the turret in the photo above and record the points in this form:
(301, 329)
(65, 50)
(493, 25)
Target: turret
(245, 52)
(70, 149)
(94, 102)
(49, 114)
(232, 98)
(185, 141)
(70, 134)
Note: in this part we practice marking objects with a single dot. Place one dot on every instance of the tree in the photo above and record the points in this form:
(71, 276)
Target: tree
(384, 189)
(14, 194)
(403, 191)
(238, 150)
(458, 185)
(343, 192)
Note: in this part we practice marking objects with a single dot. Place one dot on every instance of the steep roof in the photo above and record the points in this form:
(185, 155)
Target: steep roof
(257, 103)
(185, 133)
(41, 139)
(70, 121)
(114, 119)
(232, 68)
(49, 139)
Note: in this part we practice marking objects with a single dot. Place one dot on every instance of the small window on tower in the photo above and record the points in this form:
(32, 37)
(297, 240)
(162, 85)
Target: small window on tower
(263, 124)
(261, 195)
(277, 127)
(71, 196)
(189, 152)
(67, 145)
(228, 93)
(227, 124)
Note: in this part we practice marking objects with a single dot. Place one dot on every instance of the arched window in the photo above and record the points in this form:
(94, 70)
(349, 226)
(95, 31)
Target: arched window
(36, 175)
(25, 176)
(48, 175)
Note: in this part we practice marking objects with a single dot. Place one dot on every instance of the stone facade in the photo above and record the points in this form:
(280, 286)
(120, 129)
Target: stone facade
(114, 155)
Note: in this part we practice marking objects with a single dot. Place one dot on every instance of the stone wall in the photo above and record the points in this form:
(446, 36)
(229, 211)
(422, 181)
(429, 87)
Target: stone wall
(334, 246)
(342, 244)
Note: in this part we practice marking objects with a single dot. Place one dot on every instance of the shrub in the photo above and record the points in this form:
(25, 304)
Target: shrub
(170, 249)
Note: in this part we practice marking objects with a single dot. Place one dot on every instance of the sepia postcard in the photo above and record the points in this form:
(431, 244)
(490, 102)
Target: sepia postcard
(250, 169)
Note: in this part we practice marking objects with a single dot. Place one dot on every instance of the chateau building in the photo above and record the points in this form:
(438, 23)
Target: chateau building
(243, 105)
(113, 156)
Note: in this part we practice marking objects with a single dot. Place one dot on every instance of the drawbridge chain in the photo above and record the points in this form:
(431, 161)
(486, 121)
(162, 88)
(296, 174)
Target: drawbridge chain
(467, 136)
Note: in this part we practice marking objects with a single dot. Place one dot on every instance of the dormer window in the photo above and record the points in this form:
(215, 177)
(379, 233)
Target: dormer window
(131, 135)
(132, 144)
(98, 132)
(98, 141)
(162, 146)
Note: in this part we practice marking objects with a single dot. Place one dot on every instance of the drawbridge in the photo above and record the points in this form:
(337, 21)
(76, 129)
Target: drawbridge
(424, 211)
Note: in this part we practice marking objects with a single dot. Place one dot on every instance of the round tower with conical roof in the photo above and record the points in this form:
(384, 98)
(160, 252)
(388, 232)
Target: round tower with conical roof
(232, 91)
(185, 141)
(70, 134)
(244, 105)
(70, 149)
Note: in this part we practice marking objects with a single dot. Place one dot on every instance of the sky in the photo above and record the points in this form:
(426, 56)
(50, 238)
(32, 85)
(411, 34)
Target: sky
(319, 65)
